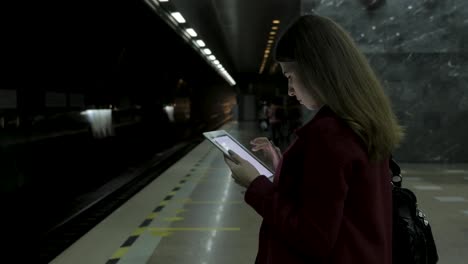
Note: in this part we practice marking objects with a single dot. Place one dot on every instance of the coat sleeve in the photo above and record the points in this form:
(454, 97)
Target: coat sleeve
(311, 224)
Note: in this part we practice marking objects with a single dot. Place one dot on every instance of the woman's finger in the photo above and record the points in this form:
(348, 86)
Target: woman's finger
(278, 150)
(259, 140)
(255, 140)
(236, 180)
(229, 161)
(235, 157)
(234, 177)
(238, 183)
(260, 146)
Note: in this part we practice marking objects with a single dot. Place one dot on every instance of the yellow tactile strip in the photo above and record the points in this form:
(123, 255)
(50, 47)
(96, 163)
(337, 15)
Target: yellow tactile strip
(144, 225)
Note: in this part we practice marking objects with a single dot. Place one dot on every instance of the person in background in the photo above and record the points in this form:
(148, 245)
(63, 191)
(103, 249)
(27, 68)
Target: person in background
(276, 120)
(331, 197)
(263, 116)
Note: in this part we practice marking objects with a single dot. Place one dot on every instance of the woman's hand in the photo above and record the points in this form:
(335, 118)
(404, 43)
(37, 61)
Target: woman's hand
(242, 171)
(272, 152)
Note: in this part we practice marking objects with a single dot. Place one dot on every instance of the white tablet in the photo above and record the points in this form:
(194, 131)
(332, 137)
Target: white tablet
(224, 141)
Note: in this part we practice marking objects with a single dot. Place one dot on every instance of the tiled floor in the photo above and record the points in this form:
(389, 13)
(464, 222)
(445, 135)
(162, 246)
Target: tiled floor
(194, 213)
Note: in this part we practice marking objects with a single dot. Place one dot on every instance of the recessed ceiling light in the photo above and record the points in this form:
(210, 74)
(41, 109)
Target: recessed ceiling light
(276, 21)
(212, 57)
(207, 51)
(178, 16)
(201, 43)
(191, 32)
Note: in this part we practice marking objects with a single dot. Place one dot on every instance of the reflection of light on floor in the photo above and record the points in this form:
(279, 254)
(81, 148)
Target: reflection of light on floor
(456, 171)
(450, 198)
(170, 112)
(411, 178)
(219, 211)
(427, 187)
(100, 121)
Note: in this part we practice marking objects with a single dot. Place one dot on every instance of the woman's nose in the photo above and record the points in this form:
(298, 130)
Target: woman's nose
(290, 91)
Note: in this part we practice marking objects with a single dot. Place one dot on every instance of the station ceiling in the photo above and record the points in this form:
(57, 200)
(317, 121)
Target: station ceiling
(237, 31)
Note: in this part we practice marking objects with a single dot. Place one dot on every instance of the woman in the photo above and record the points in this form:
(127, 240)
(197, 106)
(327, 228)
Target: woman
(331, 199)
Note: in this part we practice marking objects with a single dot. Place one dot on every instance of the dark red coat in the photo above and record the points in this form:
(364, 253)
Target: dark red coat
(328, 203)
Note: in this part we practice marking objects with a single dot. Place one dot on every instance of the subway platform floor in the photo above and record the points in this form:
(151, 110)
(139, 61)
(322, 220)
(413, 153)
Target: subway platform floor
(195, 213)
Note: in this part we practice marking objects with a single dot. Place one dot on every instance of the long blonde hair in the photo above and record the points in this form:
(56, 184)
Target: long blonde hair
(339, 75)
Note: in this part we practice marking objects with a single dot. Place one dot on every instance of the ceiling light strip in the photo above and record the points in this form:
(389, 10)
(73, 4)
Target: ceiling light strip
(190, 35)
(270, 41)
(178, 17)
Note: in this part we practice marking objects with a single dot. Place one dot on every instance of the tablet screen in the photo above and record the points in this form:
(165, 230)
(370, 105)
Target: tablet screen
(228, 144)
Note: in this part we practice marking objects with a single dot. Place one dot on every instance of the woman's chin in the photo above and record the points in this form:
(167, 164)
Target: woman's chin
(310, 107)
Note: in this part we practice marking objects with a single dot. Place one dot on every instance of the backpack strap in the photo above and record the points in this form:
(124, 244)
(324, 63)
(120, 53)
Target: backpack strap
(396, 172)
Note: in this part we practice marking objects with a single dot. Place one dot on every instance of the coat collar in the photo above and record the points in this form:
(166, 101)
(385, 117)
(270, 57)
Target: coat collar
(324, 111)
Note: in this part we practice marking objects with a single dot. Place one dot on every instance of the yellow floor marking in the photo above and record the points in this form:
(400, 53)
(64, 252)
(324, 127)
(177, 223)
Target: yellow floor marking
(152, 216)
(212, 180)
(120, 252)
(213, 202)
(139, 231)
(172, 229)
(190, 201)
(161, 233)
(173, 219)
(180, 211)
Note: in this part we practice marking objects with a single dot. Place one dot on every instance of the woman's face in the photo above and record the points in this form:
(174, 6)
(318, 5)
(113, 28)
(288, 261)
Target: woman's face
(296, 86)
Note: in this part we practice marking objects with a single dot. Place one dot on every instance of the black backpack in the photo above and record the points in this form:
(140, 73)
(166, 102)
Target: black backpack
(413, 242)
